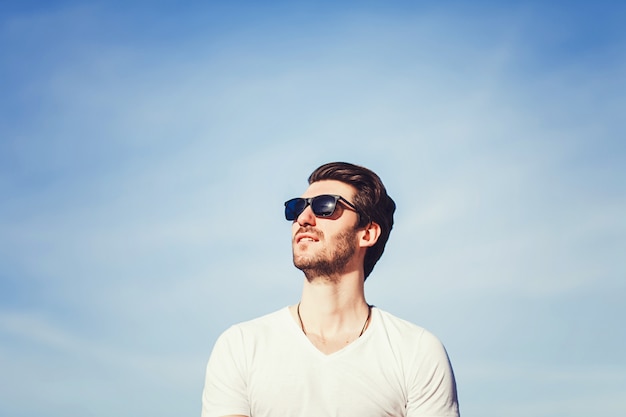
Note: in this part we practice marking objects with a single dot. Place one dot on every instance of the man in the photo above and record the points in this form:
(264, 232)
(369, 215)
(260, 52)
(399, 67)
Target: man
(332, 354)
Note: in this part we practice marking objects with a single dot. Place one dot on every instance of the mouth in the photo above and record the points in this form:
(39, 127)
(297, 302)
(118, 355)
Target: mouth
(306, 238)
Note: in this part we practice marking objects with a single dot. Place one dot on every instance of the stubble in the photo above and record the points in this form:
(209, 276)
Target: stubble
(329, 263)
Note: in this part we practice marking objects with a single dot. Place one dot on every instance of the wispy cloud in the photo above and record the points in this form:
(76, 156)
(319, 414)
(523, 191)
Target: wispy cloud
(146, 156)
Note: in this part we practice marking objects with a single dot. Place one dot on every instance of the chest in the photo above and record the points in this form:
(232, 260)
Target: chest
(304, 382)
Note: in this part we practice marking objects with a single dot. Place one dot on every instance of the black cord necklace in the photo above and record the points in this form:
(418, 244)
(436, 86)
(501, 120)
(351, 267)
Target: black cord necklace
(369, 314)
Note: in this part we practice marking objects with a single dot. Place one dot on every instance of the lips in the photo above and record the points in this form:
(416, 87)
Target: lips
(305, 235)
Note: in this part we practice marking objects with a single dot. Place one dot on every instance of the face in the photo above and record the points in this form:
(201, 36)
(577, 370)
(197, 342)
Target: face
(325, 247)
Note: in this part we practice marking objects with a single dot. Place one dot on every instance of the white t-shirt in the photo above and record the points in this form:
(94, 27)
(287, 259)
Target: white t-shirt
(267, 367)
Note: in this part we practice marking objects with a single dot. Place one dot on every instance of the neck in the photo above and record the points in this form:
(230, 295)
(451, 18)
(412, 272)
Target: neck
(367, 319)
(328, 309)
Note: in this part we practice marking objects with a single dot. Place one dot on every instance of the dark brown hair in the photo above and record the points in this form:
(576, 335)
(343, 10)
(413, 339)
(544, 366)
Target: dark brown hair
(371, 200)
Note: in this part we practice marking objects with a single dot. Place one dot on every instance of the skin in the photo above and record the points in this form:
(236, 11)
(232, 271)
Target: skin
(333, 306)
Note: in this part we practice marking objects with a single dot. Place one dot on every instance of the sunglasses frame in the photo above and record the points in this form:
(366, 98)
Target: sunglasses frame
(309, 202)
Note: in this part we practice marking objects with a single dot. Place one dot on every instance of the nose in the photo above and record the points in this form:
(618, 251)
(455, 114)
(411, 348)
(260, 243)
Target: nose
(306, 218)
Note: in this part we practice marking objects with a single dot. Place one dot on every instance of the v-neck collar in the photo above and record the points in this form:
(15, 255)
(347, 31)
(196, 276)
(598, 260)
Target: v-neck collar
(302, 338)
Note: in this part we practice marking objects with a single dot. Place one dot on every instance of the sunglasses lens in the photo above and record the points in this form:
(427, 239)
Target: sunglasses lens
(294, 207)
(324, 205)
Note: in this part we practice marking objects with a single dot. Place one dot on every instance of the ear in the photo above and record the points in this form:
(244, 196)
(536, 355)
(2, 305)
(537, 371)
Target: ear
(369, 235)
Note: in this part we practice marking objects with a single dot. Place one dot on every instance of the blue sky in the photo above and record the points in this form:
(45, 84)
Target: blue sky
(146, 150)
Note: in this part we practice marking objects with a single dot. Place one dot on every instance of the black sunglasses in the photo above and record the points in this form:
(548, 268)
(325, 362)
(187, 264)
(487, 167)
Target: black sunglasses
(322, 205)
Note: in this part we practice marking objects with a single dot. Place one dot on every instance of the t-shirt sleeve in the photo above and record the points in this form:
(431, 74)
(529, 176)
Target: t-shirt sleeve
(432, 387)
(225, 387)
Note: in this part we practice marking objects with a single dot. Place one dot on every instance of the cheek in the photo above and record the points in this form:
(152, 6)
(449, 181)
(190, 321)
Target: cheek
(345, 237)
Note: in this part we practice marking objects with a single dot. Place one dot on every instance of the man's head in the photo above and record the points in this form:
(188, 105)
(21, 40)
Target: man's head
(372, 203)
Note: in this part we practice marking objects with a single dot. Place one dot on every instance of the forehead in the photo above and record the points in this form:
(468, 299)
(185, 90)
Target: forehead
(330, 187)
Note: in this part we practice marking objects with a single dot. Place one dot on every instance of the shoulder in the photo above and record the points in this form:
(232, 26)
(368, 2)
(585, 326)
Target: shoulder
(393, 324)
(266, 321)
(406, 333)
(259, 326)
(260, 336)
(425, 366)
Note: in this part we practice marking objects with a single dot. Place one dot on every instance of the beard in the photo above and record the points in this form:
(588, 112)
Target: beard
(328, 263)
